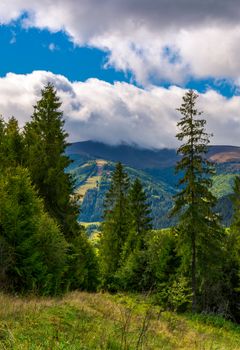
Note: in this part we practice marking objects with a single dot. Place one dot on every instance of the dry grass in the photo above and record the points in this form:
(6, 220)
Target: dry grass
(92, 182)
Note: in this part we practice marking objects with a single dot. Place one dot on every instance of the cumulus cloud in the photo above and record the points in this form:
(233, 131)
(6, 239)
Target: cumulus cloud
(119, 112)
(155, 40)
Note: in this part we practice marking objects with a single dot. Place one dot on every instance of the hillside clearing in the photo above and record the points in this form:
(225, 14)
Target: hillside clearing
(102, 321)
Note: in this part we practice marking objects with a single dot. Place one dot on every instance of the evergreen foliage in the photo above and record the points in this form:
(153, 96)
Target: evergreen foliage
(232, 256)
(44, 249)
(13, 144)
(115, 228)
(139, 212)
(199, 232)
(33, 251)
(2, 134)
(45, 140)
(132, 274)
(42, 246)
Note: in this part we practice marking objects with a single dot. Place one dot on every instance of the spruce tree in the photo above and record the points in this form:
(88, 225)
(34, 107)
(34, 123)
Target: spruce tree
(13, 143)
(232, 260)
(131, 274)
(198, 229)
(2, 136)
(45, 144)
(115, 227)
(45, 157)
(32, 248)
(139, 217)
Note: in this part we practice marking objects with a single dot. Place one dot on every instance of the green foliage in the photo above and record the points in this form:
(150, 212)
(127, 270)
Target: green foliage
(131, 274)
(45, 145)
(232, 256)
(31, 242)
(175, 295)
(199, 231)
(11, 144)
(115, 228)
(83, 272)
(163, 261)
(139, 212)
(222, 184)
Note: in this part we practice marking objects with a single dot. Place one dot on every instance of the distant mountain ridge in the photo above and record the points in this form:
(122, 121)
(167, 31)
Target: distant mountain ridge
(142, 158)
(93, 163)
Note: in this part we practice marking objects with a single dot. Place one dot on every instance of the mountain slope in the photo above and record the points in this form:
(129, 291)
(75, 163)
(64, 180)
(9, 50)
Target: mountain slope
(93, 163)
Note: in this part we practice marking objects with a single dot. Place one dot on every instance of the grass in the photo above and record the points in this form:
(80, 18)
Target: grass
(101, 321)
(92, 182)
(87, 224)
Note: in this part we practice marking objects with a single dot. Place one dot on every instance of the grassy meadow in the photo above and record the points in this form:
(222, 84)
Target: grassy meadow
(102, 321)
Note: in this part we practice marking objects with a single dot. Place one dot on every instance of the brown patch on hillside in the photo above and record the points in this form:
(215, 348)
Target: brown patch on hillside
(223, 157)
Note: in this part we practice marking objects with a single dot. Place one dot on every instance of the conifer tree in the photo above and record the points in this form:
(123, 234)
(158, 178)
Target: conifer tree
(131, 275)
(139, 215)
(115, 227)
(45, 157)
(199, 230)
(2, 136)
(232, 260)
(32, 248)
(13, 143)
(45, 140)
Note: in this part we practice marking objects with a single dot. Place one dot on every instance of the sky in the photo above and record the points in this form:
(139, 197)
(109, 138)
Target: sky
(121, 67)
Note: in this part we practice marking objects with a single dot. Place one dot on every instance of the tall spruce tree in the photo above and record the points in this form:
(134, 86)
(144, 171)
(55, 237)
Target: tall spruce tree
(115, 227)
(45, 140)
(45, 157)
(199, 230)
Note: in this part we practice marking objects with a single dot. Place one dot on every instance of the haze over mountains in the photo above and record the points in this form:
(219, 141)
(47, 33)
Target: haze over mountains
(94, 161)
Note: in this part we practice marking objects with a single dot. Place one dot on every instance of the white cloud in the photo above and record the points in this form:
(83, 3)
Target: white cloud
(119, 112)
(201, 37)
(52, 47)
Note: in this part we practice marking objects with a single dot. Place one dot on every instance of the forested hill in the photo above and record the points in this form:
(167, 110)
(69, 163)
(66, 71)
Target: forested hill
(94, 161)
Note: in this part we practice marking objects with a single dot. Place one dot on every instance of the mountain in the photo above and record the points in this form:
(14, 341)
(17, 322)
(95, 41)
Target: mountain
(93, 163)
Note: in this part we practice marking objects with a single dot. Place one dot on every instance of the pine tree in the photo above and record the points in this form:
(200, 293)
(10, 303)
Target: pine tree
(199, 230)
(115, 227)
(45, 140)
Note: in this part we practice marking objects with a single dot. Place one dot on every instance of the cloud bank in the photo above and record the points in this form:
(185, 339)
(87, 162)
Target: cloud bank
(119, 112)
(154, 40)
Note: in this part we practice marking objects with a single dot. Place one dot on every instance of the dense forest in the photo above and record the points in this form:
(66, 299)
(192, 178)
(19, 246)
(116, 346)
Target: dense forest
(194, 265)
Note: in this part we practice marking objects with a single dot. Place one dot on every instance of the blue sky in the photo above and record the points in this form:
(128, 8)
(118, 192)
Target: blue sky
(26, 50)
(122, 67)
